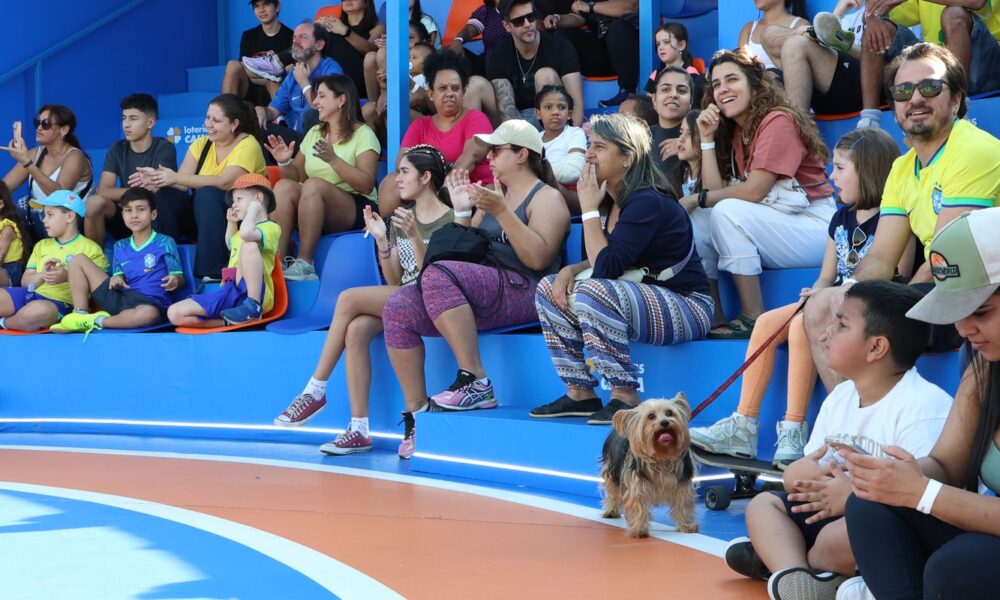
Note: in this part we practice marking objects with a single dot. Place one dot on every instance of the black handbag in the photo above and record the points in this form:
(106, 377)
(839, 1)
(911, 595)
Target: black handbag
(457, 242)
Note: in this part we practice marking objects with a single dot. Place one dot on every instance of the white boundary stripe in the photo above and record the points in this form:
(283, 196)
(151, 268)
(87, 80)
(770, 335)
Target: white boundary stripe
(695, 541)
(333, 575)
(189, 425)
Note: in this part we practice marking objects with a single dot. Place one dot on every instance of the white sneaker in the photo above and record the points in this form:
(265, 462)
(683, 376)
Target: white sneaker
(297, 269)
(790, 445)
(854, 589)
(735, 435)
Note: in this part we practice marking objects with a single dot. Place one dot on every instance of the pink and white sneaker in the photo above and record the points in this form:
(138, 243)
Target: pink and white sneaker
(466, 393)
(406, 447)
(302, 408)
(349, 442)
(267, 66)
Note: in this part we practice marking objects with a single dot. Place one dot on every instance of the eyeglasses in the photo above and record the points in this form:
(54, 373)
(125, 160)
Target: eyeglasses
(928, 88)
(858, 239)
(520, 21)
(45, 124)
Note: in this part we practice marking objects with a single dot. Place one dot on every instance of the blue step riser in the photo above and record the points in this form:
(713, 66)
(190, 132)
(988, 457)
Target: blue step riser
(206, 79)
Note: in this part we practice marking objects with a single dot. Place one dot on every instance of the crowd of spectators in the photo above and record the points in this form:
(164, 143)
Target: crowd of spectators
(721, 171)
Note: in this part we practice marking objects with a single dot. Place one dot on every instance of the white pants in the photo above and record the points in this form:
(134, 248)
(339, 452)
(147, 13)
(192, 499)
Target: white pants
(742, 237)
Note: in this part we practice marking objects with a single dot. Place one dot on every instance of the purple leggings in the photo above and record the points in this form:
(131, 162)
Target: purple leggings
(410, 313)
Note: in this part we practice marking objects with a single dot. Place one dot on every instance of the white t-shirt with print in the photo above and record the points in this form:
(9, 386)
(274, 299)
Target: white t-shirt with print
(558, 149)
(910, 416)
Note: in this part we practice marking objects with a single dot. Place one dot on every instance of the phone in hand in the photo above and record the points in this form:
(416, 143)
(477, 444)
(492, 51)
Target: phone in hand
(838, 443)
(17, 129)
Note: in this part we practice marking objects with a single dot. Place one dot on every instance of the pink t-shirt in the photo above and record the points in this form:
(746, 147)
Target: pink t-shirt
(779, 149)
(451, 143)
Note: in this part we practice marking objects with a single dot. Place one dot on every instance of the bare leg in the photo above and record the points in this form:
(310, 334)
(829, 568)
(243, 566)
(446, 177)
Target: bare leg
(373, 62)
(323, 208)
(807, 67)
(751, 301)
(458, 326)
(360, 333)
(186, 313)
(286, 195)
(775, 537)
(351, 304)
(33, 316)
(872, 66)
(956, 23)
(773, 38)
(140, 316)
(481, 96)
(99, 210)
(832, 550)
(84, 277)
(251, 268)
(713, 287)
(409, 367)
(235, 80)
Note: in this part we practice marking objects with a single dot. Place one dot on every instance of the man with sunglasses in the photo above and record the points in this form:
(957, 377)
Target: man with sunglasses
(527, 61)
(969, 28)
(953, 167)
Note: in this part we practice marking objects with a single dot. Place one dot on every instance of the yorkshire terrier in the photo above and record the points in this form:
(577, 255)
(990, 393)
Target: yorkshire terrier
(646, 463)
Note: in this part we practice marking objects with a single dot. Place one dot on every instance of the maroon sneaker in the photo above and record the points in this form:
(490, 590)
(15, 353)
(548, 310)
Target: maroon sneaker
(303, 408)
(348, 442)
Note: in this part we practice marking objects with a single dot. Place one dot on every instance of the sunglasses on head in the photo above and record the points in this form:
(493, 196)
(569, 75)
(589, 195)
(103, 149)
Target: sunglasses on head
(928, 88)
(45, 124)
(520, 21)
(858, 239)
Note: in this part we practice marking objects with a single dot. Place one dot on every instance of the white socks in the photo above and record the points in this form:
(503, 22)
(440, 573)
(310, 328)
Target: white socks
(315, 388)
(360, 425)
(751, 420)
(791, 425)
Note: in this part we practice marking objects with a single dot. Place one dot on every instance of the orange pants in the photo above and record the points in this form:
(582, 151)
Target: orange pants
(801, 368)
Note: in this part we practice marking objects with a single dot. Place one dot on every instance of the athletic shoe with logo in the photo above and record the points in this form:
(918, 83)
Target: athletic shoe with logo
(854, 588)
(742, 558)
(797, 583)
(302, 408)
(406, 447)
(348, 442)
(790, 445)
(829, 32)
(244, 312)
(296, 269)
(735, 436)
(466, 393)
(267, 66)
(76, 322)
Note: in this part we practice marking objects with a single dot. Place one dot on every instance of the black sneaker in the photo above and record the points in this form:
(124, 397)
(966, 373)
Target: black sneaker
(617, 99)
(565, 406)
(742, 558)
(795, 583)
(603, 416)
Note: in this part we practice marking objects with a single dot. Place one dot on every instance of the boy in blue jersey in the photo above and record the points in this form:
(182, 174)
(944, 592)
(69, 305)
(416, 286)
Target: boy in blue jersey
(253, 246)
(145, 269)
(45, 297)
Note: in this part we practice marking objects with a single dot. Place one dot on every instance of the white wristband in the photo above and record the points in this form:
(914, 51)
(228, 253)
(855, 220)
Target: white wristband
(286, 163)
(708, 145)
(593, 214)
(930, 494)
(461, 214)
(848, 282)
(459, 39)
(307, 88)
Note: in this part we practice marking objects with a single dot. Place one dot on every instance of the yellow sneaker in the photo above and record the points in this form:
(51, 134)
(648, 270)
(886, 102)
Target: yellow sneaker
(76, 322)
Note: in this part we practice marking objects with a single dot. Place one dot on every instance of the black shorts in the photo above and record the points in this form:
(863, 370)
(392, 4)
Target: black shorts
(844, 95)
(810, 531)
(116, 301)
(360, 202)
(944, 338)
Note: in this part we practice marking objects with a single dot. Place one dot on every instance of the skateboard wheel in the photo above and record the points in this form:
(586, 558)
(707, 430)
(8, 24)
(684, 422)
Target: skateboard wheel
(717, 498)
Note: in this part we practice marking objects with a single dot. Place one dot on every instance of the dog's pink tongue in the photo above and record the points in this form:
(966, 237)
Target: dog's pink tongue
(665, 438)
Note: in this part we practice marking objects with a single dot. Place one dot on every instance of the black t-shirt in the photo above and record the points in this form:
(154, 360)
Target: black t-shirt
(845, 238)
(255, 42)
(505, 63)
(660, 134)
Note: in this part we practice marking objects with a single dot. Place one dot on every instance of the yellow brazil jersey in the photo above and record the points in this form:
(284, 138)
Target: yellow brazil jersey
(15, 252)
(928, 15)
(962, 173)
(269, 232)
(49, 249)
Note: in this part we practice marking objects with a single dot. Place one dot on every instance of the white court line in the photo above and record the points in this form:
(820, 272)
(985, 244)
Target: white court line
(331, 574)
(695, 541)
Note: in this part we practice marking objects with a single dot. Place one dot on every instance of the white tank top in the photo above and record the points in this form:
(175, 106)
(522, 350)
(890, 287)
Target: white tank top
(82, 187)
(758, 49)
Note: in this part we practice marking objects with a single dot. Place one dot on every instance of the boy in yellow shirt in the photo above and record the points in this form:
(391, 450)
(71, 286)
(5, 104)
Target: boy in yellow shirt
(46, 296)
(253, 243)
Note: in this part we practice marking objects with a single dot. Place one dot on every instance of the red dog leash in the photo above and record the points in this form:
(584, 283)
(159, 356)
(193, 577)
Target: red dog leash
(746, 365)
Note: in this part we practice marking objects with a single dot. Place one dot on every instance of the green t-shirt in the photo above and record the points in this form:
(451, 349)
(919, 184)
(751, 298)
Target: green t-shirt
(363, 140)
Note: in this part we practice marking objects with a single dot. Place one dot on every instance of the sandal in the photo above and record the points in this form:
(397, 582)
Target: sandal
(738, 328)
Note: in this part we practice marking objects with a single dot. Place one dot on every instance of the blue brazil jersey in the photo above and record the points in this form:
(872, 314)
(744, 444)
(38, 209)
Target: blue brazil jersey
(144, 267)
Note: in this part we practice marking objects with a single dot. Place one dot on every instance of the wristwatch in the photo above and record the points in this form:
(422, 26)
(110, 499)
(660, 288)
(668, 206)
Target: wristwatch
(590, 5)
(703, 198)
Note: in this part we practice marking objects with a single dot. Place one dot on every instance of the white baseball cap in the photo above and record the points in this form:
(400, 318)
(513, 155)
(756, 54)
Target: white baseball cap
(516, 132)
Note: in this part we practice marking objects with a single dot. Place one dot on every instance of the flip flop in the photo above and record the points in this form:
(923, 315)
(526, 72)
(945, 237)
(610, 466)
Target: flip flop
(738, 328)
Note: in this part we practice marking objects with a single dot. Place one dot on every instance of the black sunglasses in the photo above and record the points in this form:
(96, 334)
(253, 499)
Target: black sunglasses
(45, 124)
(928, 88)
(520, 21)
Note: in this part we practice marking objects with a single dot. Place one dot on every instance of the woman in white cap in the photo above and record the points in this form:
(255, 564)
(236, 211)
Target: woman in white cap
(526, 227)
(646, 228)
(930, 528)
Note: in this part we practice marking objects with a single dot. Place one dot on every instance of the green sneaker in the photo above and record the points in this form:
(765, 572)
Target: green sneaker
(829, 32)
(76, 322)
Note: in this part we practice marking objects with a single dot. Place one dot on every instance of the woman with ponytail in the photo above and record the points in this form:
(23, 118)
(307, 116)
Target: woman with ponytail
(57, 163)
(210, 167)
(357, 319)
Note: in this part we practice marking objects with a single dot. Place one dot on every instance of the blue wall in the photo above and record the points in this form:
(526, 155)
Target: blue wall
(147, 49)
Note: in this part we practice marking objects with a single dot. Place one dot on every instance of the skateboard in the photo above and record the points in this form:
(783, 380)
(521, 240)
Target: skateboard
(745, 470)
